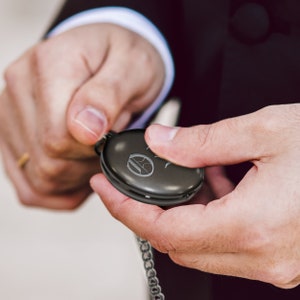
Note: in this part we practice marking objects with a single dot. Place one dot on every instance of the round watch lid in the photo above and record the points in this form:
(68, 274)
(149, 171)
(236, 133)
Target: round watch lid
(136, 171)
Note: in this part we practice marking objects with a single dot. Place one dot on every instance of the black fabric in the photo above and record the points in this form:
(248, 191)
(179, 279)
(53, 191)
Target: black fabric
(223, 69)
(182, 283)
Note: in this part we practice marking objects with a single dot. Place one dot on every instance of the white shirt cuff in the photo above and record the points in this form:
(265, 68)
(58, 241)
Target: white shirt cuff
(139, 24)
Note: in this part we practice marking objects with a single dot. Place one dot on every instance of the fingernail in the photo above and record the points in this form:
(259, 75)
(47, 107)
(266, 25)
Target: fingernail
(161, 134)
(92, 120)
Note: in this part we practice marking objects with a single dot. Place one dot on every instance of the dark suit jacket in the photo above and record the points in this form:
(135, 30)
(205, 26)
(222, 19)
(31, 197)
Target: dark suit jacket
(231, 58)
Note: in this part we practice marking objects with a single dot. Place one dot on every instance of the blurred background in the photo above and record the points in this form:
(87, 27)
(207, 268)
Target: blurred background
(46, 255)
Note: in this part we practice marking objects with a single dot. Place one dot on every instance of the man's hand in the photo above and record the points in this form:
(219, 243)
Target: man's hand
(251, 231)
(61, 96)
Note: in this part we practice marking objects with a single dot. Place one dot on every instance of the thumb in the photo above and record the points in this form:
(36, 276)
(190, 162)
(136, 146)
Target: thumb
(86, 118)
(94, 109)
(229, 141)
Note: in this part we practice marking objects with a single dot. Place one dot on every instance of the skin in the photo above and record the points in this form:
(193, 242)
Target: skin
(251, 230)
(56, 107)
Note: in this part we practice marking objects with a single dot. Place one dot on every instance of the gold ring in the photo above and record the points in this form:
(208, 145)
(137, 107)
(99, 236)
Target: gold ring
(21, 162)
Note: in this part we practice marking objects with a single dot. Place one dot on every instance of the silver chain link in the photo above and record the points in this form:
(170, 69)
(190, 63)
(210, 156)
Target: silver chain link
(153, 282)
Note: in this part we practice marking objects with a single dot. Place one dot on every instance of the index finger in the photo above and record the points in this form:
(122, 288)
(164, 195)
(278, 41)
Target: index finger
(177, 228)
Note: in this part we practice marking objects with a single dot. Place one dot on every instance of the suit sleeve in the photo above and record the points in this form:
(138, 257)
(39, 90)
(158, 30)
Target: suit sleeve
(164, 14)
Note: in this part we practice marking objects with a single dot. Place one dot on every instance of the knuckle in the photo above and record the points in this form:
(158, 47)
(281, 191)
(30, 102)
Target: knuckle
(28, 198)
(142, 56)
(72, 204)
(186, 260)
(146, 58)
(43, 187)
(267, 123)
(204, 134)
(33, 199)
(280, 274)
(11, 76)
(38, 55)
(163, 241)
(272, 120)
(26, 201)
(47, 173)
(162, 245)
(55, 145)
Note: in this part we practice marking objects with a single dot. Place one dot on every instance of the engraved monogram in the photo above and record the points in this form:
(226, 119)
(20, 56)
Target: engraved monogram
(140, 165)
